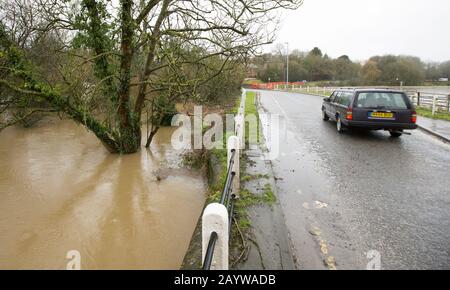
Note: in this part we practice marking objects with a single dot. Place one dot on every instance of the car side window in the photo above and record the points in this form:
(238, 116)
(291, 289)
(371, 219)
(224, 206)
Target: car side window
(336, 97)
(333, 95)
(343, 99)
(346, 99)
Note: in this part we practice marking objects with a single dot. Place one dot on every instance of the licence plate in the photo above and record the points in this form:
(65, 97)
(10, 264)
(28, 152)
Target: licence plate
(381, 115)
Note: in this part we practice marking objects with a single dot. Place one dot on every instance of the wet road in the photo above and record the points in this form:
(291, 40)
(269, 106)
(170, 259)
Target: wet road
(345, 196)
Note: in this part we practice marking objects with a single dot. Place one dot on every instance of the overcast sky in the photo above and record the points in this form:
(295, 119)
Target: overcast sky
(363, 28)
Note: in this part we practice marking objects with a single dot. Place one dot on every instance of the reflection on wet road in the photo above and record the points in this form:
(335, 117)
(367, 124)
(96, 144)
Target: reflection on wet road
(60, 190)
(345, 195)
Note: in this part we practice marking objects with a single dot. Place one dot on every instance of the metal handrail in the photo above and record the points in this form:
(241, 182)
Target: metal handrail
(229, 204)
(210, 251)
(229, 179)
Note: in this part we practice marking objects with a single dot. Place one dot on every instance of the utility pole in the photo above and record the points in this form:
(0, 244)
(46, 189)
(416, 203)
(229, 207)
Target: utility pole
(287, 65)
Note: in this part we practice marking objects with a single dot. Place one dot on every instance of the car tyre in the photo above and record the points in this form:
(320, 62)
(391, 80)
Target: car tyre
(395, 134)
(325, 116)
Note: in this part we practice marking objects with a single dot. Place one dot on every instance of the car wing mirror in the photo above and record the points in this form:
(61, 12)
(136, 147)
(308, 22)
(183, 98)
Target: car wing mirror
(327, 100)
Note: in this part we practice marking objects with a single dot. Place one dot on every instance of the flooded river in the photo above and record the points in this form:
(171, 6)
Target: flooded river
(60, 190)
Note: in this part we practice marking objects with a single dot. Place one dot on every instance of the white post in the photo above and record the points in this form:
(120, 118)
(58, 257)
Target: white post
(243, 98)
(240, 122)
(317, 89)
(307, 89)
(239, 130)
(287, 66)
(448, 103)
(215, 219)
(434, 104)
(233, 144)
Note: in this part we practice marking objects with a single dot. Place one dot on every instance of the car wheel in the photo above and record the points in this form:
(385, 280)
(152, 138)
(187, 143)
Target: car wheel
(325, 116)
(339, 126)
(395, 134)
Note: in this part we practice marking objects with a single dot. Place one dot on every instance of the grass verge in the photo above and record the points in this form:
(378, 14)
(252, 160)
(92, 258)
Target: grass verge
(425, 112)
(252, 135)
(312, 91)
(240, 230)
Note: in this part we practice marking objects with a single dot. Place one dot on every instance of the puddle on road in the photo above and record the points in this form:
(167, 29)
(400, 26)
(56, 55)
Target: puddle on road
(60, 190)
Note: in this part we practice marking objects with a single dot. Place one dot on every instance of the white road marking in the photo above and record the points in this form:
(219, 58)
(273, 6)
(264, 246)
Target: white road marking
(279, 106)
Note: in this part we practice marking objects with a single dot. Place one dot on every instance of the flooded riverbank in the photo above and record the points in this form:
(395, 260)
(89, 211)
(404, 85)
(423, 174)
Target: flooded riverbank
(60, 190)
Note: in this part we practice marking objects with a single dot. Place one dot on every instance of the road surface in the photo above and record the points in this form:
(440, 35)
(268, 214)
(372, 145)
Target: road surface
(347, 197)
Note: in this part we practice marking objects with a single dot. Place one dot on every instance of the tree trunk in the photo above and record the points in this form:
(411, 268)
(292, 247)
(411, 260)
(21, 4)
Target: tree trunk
(150, 59)
(16, 60)
(150, 137)
(103, 68)
(129, 126)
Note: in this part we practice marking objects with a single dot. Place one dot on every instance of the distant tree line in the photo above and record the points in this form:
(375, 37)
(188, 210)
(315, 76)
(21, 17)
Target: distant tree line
(378, 70)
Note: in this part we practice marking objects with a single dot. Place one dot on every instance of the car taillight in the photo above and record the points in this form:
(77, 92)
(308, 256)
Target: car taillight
(414, 117)
(349, 115)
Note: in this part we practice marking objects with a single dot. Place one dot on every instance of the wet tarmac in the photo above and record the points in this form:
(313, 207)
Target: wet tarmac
(348, 196)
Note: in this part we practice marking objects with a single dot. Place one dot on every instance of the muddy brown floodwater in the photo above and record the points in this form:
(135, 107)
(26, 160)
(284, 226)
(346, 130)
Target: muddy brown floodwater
(60, 190)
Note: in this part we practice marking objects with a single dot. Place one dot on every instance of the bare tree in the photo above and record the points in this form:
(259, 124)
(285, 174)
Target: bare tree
(115, 61)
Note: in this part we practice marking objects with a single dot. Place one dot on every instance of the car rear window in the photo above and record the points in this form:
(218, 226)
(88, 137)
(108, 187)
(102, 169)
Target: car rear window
(381, 100)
